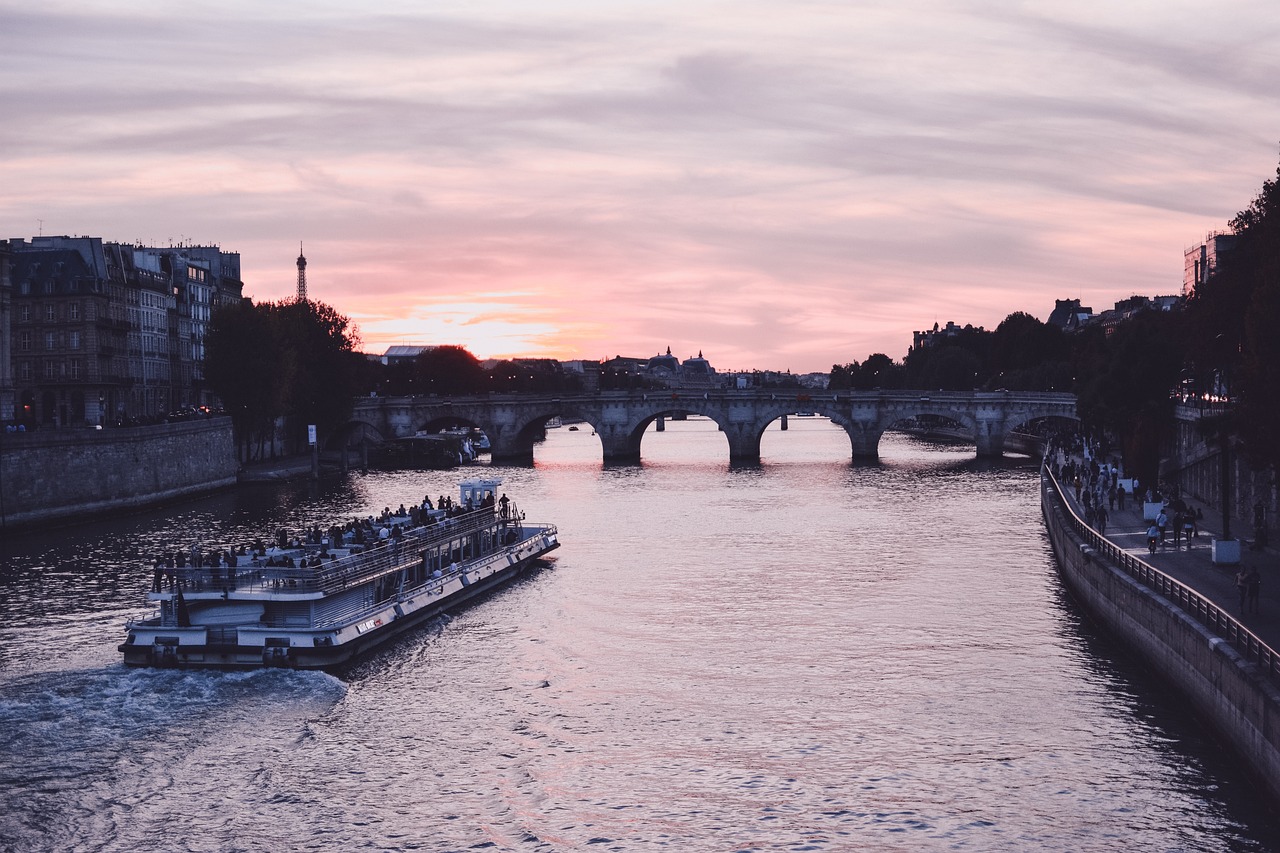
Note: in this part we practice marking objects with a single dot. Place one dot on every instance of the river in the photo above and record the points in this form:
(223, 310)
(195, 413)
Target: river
(807, 654)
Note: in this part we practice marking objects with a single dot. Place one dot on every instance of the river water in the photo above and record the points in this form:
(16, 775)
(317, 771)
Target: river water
(802, 655)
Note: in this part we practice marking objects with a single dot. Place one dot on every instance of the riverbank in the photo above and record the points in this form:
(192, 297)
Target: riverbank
(1175, 609)
(55, 476)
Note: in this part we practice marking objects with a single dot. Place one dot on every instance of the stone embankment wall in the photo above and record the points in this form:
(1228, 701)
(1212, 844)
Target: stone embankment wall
(1234, 696)
(1194, 463)
(48, 476)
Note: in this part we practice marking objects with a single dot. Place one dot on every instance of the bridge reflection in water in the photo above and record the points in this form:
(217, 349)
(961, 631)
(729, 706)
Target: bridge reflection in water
(514, 422)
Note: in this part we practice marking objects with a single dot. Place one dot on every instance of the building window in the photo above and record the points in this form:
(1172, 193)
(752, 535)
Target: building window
(24, 314)
(24, 371)
(75, 368)
(24, 341)
(51, 313)
(50, 371)
(50, 340)
(73, 311)
(73, 340)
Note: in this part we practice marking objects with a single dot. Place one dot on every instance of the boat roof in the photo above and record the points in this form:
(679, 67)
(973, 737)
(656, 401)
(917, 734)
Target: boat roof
(481, 483)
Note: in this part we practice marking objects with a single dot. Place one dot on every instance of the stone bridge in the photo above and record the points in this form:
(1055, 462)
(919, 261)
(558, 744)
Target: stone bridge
(514, 422)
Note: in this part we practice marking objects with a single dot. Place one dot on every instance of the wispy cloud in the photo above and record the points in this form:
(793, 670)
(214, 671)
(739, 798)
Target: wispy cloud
(777, 185)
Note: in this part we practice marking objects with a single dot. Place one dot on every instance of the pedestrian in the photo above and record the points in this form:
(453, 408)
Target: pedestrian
(1153, 536)
(1120, 496)
(1162, 522)
(1254, 582)
(1242, 586)
(1177, 530)
(1102, 519)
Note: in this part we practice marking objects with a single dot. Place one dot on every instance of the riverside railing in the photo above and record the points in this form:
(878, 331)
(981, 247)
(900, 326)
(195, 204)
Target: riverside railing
(1204, 611)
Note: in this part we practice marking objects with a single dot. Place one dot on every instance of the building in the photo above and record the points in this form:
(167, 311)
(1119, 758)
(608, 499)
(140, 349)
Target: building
(1200, 260)
(6, 339)
(1069, 315)
(403, 354)
(939, 335)
(105, 332)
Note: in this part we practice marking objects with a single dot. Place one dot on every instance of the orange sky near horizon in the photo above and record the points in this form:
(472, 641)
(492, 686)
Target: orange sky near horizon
(779, 186)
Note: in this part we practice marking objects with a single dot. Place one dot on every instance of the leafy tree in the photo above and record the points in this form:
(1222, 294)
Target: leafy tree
(1027, 355)
(955, 363)
(295, 359)
(951, 368)
(878, 371)
(1125, 381)
(245, 365)
(320, 351)
(1235, 316)
(449, 370)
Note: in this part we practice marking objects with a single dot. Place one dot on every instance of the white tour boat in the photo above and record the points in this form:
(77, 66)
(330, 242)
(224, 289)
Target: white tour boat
(315, 605)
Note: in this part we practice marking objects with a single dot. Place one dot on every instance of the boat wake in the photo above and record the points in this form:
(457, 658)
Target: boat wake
(85, 753)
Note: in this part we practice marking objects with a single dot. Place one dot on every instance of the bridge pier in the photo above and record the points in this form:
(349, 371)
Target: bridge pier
(620, 444)
(865, 440)
(989, 436)
(990, 441)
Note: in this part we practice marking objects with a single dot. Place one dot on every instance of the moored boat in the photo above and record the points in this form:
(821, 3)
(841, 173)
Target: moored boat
(318, 604)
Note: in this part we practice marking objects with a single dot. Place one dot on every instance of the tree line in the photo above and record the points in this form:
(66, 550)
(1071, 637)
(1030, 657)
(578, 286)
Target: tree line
(1222, 349)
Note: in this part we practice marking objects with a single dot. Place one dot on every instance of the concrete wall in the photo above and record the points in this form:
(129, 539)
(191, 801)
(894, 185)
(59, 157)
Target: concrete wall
(1234, 696)
(1195, 465)
(47, 476)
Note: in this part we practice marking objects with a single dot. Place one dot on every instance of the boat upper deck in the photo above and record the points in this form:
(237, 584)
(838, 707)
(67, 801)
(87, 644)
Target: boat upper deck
(280, 573)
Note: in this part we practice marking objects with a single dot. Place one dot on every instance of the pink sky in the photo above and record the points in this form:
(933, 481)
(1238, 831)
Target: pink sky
(777, 185)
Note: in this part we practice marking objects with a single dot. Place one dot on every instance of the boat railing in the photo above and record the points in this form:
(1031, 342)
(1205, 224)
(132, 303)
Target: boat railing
(383, 556)
(1211, 616)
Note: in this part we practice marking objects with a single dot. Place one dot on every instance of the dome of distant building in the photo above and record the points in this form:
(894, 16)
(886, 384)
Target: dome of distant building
(697, 366)
(660, 364)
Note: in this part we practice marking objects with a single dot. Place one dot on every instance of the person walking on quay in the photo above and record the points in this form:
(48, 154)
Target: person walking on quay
(1162, 522)
(1120, 496)
(1153, 536)
(1102, 518)
(1253, 581)
(1242, 587)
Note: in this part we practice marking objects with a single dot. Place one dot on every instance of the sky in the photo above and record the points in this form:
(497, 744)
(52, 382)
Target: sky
(777, 185)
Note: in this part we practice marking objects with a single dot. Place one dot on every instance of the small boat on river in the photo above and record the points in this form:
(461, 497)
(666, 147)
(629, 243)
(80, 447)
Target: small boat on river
(318, 604)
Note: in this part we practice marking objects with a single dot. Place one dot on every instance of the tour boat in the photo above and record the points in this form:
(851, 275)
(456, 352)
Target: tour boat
(318, 604)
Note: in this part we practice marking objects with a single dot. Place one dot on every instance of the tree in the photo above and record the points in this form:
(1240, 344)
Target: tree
(320, 349)
(245, 365)
(294, 359)
(957, 362)
(1027, 355)
(449, 370)
(1126, 380)
(1250, 277)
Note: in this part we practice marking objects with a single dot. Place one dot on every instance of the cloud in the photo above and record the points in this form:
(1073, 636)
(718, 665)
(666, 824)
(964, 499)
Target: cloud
(779, 185)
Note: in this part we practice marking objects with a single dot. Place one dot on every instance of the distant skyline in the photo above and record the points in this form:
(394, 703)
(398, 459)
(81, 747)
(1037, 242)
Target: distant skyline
(778, 185)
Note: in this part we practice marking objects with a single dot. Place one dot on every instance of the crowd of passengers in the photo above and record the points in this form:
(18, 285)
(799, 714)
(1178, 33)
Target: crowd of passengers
(316, 544)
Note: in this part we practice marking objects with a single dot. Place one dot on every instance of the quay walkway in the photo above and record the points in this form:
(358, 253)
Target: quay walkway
(1192, 565)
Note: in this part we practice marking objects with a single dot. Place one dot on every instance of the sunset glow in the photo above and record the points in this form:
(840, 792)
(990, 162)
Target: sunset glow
(778, 185)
